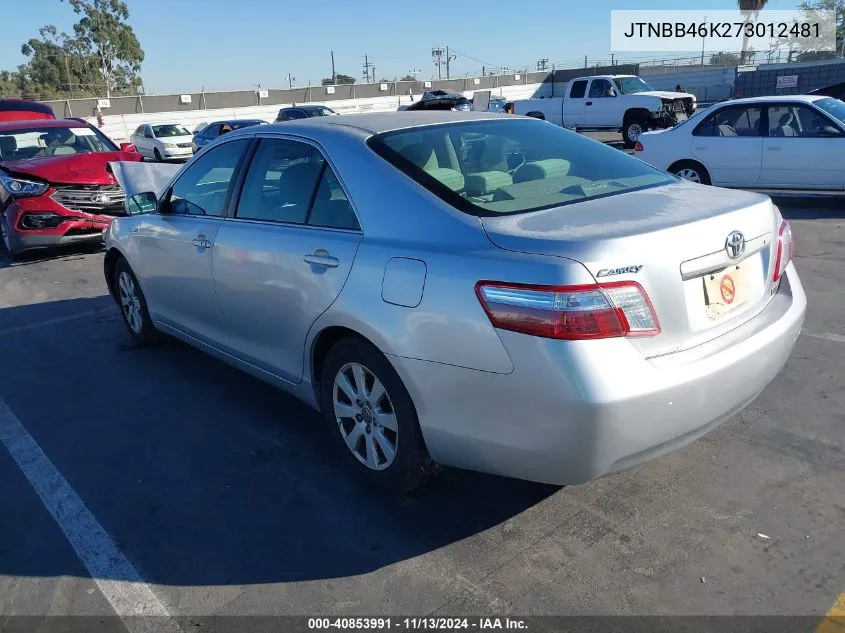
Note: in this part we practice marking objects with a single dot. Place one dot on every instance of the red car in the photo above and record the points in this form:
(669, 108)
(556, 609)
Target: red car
(55, 188)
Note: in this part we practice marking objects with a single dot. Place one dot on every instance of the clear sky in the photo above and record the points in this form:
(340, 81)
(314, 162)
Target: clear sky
(236, 44)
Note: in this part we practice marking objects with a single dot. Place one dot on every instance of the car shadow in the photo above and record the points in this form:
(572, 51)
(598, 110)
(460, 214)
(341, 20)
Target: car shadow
(204, 475)
(47, 254)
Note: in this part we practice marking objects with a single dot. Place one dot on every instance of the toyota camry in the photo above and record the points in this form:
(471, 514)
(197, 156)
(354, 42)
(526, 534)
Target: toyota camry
(483, 291)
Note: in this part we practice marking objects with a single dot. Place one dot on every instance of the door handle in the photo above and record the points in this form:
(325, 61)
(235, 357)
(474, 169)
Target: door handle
(321, 257)
(589, 103)
(201, 242)
(135, 229)
(774, 149)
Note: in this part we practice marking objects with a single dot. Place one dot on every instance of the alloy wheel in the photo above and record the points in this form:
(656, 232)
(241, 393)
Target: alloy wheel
(365, 416)
(130, 302)
(634, 132)
(689, 174)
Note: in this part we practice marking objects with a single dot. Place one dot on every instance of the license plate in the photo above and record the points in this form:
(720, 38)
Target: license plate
(725, 291)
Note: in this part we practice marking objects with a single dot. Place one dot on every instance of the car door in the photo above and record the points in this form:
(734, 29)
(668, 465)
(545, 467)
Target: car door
(176, 245)
(799, 152)
(600, 106)
(729, 143)
(285, 256)
(574, 105)
(137, 137)
(147, 142)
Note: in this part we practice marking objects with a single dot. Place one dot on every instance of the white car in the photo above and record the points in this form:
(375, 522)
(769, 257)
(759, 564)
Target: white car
(769, 143)
(163, 141)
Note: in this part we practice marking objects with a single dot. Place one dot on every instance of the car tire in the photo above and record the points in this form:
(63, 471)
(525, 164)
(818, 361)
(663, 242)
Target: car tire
(379, 421)
(691, 170)
(133, 306)
(631, 131)
(157, 155)
(5, 239)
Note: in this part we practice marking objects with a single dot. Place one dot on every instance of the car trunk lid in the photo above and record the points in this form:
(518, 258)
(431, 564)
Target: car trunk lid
(672, 240)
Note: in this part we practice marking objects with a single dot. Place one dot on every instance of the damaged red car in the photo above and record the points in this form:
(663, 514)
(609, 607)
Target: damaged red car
(55, 186)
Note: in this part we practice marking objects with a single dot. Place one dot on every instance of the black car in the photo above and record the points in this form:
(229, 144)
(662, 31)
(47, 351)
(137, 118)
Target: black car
(213, 130)
(303, 112)
(441, 100)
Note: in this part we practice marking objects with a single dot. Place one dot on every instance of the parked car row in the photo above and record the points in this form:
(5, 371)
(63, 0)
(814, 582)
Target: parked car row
(547, 307)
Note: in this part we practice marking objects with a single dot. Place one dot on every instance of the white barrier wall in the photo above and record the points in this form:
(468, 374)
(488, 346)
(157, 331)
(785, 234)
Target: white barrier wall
(120, 127)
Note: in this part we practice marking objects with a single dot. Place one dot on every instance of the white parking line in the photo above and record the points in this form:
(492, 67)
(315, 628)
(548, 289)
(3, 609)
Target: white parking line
(117, 579)
(826, 336)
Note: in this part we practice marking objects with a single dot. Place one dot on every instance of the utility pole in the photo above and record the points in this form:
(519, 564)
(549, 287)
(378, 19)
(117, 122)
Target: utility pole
(541, 63)
(69, 84)
(367, 67)
(290, 81)
(612, 61)
(437, 54)
(703, 40)
(334, 76)
(585, 61)
(448, 59)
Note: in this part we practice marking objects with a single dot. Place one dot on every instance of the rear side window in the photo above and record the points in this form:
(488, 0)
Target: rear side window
(579, 89)
(495, 167)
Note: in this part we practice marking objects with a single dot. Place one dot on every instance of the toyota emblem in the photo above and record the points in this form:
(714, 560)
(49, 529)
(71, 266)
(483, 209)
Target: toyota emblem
(100, 198)
(735, 244)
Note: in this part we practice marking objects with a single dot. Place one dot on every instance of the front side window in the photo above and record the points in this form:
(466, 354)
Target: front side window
(731, 122)
(205, 186)
(796, 120)
(600, 88)
(494, 167)
(320, 112)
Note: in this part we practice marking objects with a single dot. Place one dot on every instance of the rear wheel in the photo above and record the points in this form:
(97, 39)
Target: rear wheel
(690, 170)
(133, 305)
(372, 418)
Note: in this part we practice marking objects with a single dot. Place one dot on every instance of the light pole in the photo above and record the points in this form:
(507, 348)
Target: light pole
(703, 39)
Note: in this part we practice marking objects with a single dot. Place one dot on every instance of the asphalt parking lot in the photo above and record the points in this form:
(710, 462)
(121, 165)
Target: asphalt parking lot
(218, 489)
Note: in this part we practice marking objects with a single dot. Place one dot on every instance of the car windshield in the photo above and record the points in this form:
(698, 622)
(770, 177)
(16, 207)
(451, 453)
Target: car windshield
(165, 131)
(319, 112)
(631, 85)
(495, 167)
(46, 142)
(834, 107)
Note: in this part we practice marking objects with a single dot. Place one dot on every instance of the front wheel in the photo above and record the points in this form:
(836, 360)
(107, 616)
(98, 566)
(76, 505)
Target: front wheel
(372, 418)
(157, 155)
(7, 238)
(133, 306)
(632, 130)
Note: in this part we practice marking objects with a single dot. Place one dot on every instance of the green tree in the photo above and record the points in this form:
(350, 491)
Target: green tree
(750, 10)
(837, 9)
(106, 44)
(45, 75)
(340, 78)
(10, 85)
(408, 78)
(724, 59)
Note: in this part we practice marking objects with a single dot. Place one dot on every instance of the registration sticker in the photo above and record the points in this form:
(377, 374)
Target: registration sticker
(725, 291)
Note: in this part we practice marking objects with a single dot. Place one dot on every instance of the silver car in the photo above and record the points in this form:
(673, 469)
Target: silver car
(484, 291)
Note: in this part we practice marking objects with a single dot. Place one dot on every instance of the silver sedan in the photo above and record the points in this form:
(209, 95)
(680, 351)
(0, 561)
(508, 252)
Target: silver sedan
(483, 291)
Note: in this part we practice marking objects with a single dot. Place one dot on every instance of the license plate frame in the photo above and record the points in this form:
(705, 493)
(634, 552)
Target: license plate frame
(725, 290)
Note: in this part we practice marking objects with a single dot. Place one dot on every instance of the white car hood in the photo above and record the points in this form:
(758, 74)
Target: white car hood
(663, 94)
(176, 139)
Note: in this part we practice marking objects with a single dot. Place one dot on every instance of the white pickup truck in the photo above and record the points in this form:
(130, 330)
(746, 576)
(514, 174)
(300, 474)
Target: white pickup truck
(611, 102)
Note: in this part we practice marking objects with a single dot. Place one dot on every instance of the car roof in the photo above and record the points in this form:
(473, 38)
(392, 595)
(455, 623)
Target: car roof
(15, 126)
(378, 122)
(775, 98)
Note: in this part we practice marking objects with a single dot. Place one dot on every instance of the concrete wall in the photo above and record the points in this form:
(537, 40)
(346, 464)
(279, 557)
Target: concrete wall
(811, 75)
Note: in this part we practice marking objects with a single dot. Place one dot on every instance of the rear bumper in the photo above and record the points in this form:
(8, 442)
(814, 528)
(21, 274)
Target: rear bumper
(573, 411)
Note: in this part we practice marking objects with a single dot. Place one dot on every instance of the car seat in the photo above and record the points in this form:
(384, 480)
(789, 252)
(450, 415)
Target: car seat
(785, 126)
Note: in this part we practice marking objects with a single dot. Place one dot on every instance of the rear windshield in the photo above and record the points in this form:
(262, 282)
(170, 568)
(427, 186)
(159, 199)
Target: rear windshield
(500, 167)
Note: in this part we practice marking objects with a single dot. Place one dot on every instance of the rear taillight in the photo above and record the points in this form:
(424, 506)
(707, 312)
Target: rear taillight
(569, 312)
(638, 147)
(784, 250)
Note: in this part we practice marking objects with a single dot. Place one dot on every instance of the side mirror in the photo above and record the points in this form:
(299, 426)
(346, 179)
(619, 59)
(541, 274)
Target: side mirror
(142, 203)
(148, 134)
(829, 130)
(129, 148)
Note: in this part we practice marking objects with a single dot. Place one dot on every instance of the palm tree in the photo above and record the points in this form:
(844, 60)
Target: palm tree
(750, 10)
